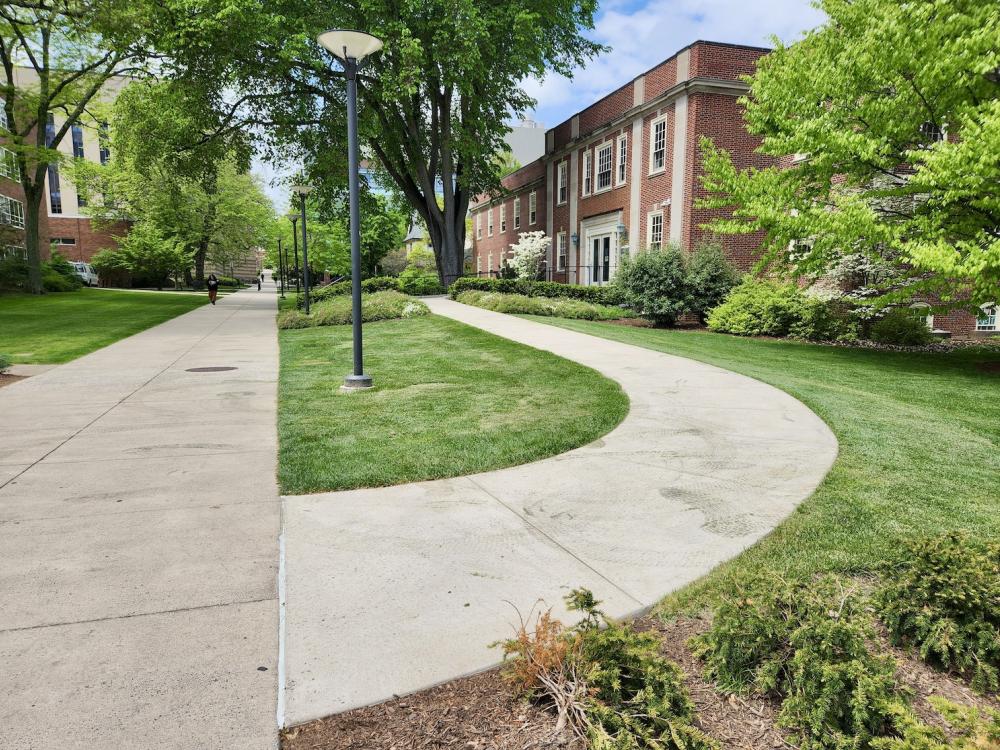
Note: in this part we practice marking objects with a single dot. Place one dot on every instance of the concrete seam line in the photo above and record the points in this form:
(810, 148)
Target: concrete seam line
(558, 544)
(129, 395)
(179, 610)
(280, 709)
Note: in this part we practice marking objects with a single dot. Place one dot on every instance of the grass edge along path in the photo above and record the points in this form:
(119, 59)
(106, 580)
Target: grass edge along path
(58, 327)
(449, 400)
(919, 438)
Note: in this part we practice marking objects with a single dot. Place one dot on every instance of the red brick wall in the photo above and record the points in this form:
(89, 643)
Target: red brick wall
(88, 239)
(660, 78)
(519, 185)
(601, 112)
(655, 188)
(714, 60)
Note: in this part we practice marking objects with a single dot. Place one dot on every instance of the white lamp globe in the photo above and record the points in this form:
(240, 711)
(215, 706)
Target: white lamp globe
(345, 44)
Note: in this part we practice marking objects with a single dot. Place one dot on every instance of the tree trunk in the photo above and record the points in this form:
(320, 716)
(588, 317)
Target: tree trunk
(199, 264)
(32, 241)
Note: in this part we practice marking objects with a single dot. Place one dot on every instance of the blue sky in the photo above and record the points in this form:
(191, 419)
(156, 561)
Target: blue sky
(642, 33)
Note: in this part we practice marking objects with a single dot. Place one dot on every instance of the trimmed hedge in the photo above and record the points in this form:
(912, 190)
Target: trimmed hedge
(520, 304)
(339, 288)
(384, 305)
(598, 295)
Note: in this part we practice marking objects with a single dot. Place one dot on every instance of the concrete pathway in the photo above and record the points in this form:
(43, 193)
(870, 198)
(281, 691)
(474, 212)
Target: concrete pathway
(394, 589)
(139, 521)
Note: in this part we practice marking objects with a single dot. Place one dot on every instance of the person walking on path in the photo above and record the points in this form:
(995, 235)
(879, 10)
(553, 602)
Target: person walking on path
(213, 287)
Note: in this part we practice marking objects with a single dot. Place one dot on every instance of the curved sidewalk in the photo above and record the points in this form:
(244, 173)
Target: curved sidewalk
(393, 589)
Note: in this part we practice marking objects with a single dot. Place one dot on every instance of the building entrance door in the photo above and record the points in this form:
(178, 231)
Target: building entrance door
(601, 261)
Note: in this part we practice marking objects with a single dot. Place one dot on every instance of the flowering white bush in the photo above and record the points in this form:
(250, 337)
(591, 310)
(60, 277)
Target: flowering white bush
(528, 253)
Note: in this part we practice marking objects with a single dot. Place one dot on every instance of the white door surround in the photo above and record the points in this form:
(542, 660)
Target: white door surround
(597, 267)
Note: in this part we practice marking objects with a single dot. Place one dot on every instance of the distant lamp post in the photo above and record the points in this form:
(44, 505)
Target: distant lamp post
(281, 269)
(294, 218)
(351, 47)
(302, 191)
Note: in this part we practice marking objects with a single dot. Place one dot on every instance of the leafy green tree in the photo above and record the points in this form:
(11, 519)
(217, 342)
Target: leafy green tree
(433, 103)
(70, 50)
(894, 109)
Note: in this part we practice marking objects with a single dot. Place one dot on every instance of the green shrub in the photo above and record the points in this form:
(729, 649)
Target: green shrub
(972, 729)
(758, 307)
(229, 281)
(519, 304)
(4, 363)
(943, 596)
(13, 273)
(608, 681)
(112, 266)
(599, 295)
(386, 305)
(58, 275)
(900, 328)
(710, 277)
(417, 281)
(805, 643)
(819, 320)
(654, 284)
(338, 288)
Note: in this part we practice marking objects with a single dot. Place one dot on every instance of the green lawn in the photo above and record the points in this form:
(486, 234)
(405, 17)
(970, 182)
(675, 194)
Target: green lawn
(56, 328)
(919, 446)
(448, 400)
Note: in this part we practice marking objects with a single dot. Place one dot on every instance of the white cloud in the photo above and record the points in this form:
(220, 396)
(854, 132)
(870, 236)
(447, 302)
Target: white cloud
(642, 34)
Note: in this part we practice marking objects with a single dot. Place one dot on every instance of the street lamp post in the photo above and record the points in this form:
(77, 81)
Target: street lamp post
(351, 48)
(302, 191)
(281, 269)
(294, 218)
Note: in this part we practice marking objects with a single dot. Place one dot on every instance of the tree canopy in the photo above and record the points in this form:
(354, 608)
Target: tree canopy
(894, 110)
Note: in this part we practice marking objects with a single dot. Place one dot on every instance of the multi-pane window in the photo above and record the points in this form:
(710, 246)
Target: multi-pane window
(8, 164)
(532, 206)
(479, 265)
(77, 132)
(658, 145)
(3, 114)
(479, 226)
(55, 196)
(104, 139)
(561, 251)
(517, 212)
(931, 132)
(503, 217)
(987, 318)
(622, 160)
(489, 223)
(563, 188)
(656, 230)
(604, 157)
(587, 167)
(11, 212)
(489, 263)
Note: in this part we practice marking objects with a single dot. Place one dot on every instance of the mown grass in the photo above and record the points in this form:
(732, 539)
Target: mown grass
(448, 400)
(919, 453)
(55, 328)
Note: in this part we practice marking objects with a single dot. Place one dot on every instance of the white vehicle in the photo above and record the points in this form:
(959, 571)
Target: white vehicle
(86, 273)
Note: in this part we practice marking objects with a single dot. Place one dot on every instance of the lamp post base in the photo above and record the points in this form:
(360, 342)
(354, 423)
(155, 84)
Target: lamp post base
(356, 383)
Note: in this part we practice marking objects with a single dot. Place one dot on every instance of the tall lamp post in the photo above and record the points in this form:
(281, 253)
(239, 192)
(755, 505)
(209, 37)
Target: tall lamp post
(281, 269)
(294, 218)
(302, 191)
(351, 48)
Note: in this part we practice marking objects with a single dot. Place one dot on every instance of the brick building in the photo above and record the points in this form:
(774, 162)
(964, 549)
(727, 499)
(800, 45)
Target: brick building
(63, 224)
(624, 174)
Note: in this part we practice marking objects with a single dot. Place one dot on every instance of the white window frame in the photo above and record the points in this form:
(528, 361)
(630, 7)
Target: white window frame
(651, 243)
(479, 264)
(489, 263)
(8, 165)
(621, 168)
(653, 168)
(503, 218)
(11, 212)
(561, 251)
(517, 212)
(607, 147)
(489, 221)
(532, 208)
(588, 180)
(927, 314)
(3, 114)
(988, 320)
(479, 226)
(562, 186)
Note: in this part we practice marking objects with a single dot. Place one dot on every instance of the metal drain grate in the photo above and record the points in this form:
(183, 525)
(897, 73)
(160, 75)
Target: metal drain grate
(209, 369)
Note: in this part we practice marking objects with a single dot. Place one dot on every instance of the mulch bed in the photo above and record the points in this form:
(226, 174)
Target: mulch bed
(9, 379)
(481, 712)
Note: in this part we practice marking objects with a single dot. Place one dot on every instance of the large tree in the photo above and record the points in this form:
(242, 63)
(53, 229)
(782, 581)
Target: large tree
(57, 58)
(434, 102)
(894, 110)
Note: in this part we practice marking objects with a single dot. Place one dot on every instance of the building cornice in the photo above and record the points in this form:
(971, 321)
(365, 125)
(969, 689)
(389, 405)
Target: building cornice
(697, 85)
